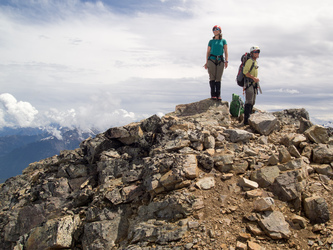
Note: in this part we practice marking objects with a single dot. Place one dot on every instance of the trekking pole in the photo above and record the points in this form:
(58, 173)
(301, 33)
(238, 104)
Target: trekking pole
(259, 88)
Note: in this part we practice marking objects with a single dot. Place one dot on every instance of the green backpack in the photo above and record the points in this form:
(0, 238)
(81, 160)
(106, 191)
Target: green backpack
(236, 106)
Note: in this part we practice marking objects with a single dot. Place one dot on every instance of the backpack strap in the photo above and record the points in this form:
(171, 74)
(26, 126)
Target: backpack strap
(251, 67)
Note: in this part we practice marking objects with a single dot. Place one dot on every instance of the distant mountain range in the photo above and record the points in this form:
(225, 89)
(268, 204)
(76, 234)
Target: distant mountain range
(22, 146)
(328, 124)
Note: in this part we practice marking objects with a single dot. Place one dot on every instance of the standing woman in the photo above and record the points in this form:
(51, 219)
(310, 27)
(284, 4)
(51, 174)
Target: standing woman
(215, 62)
(251, 85)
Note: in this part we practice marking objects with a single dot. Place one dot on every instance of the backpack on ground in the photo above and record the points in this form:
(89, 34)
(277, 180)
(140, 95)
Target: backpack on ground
(240, 79)
(236, 106)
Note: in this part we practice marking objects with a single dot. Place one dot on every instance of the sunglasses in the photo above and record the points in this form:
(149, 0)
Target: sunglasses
(256, 51)
(216, 29)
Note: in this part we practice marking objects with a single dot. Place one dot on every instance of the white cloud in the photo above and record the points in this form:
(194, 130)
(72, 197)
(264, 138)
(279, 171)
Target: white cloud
(282, 90)
(16, 113)
(96, 115)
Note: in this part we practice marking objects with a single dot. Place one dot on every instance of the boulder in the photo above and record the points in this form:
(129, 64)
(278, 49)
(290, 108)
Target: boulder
(264, 123)
(285, 186)
(324, 169)
(237, 135)
(317, 134)
(54, 234)
(128, 134)
(316, 209)
(199, 107)
(323, 154)
(151, 124)
(274, 225)
(265, 176)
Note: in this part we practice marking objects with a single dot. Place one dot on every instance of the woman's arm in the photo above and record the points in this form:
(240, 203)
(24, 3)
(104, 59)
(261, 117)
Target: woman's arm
(225, 47)
(255, 79)
(207, 56)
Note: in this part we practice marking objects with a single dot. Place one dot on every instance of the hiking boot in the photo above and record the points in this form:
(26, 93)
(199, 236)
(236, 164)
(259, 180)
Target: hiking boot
(213, 98)
(219, 98)
(247, 109)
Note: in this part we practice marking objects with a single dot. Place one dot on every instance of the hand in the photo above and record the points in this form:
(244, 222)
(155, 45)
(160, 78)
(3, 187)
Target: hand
(255, 79)
(225, 65)
(205, 66)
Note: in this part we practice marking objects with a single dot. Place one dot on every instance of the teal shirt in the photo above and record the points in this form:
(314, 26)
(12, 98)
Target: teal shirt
(217, 47)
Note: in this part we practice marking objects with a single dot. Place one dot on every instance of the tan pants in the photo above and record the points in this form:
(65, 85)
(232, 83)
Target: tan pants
(250, 95)
(215, 71)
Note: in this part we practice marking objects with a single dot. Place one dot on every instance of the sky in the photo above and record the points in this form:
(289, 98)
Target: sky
(104, 63)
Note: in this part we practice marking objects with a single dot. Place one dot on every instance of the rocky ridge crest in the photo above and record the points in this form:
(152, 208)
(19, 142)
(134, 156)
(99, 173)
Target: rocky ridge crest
(193, 179)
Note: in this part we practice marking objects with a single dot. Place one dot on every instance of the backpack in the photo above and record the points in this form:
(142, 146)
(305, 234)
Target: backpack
(236, 106)
(240, 79)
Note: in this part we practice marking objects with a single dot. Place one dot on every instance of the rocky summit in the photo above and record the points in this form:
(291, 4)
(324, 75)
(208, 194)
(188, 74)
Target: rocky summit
(192, 179)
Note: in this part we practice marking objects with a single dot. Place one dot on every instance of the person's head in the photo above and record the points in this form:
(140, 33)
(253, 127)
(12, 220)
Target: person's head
(217, 32)
(255, 51)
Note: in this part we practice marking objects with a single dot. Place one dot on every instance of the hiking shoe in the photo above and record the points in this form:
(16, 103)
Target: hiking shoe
(219, 98)
(213, 98)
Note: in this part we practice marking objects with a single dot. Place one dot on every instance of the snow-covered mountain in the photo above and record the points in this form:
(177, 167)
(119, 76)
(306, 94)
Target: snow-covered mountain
(21, 146)
(328, 124)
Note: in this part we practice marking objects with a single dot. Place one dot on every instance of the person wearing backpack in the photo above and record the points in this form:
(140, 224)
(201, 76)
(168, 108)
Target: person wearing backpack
(251, 82)
(215, 62)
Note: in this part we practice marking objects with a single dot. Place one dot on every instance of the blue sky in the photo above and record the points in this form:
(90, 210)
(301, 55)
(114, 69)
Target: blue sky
(108, 63)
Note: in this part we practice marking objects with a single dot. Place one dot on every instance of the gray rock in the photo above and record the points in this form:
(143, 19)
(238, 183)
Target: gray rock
(265, 176)
(151, 124)
(55, 233)
(100, 235)
(274, 225)
(92, 148)
(191, 167)
(298, 139)
(245, 183)
(284, 155)
(161, 234)
(199, 107)
(264, 204)
(285, 186)
(299, 220)
(317, 134)
(205, 161)
(273, 160)
(128, 134)
(293, 151)
(316, 209)
(324, 169)
(209, 142)
(305, 124)
(292, 165)
(239, 167)
(323, 154)
(206, 183)
(264, 123)
(236, 135)
(223, 161)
